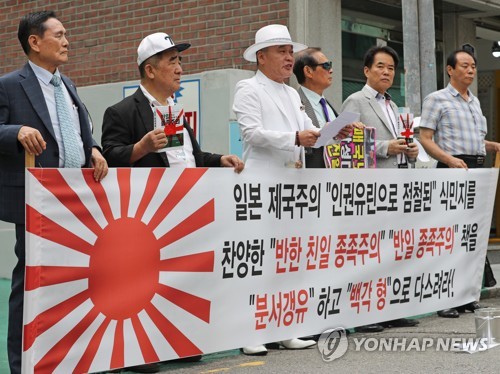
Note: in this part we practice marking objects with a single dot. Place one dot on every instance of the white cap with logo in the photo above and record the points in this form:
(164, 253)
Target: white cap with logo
(156, 43)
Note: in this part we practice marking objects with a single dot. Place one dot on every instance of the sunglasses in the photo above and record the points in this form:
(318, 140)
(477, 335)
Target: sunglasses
(325, 65)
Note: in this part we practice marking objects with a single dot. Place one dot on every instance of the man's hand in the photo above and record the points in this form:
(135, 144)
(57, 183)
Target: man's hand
(151, 142)
(232, 161)
(397, 146)
(154, 140)
(412, 150)
(31, 140)
(307, 138)
(456, 163)
(347, 130)
(99, 164)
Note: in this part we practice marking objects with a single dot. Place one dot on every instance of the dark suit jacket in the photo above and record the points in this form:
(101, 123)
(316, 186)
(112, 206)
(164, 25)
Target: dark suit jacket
(126, 122)
(314, 156)
(22, 103)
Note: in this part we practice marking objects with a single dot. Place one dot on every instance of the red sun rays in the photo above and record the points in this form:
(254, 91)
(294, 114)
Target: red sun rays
(124, 267)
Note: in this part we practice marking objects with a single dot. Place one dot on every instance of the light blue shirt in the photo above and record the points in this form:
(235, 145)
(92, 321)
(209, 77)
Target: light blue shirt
(459, 125)
(314, 99)
(44, 78)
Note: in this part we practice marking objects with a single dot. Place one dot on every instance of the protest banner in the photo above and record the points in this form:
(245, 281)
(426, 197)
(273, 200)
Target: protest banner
(155, 264)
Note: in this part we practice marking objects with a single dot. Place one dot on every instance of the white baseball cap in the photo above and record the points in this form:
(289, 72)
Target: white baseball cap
(268, 36)
(156, 43)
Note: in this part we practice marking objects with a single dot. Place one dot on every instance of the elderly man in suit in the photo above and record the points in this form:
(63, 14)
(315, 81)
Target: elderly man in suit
(130, 137)
(32, 120)
(377, 110)
(274, 125)
(313, 71)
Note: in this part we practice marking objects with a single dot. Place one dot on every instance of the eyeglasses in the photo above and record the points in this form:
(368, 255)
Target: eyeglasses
(325, 65)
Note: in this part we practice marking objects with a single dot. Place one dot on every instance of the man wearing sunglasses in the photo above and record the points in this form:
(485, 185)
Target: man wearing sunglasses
(314, 74)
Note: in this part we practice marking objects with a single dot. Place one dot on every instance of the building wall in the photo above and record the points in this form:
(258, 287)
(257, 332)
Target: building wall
(104, 35)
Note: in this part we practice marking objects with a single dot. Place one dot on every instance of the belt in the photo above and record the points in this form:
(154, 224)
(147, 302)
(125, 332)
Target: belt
(470, 160)
(477, 160)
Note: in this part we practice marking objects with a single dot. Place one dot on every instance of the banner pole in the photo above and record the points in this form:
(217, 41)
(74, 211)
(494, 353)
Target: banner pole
(29, 160)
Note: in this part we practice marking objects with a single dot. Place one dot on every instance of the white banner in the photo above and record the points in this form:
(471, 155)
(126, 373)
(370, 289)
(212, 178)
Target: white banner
(155, 264)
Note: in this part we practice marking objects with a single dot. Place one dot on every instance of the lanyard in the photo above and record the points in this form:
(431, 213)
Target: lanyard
(387, 103)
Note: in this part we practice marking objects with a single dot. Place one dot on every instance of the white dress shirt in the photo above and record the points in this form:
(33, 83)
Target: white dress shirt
(176, 157)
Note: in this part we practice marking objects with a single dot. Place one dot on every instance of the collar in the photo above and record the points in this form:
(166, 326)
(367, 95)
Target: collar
(377, 95)
(152, 100)
(269, 81)
(386, 96)
(453, 91)
(42, 74)
(312, 96)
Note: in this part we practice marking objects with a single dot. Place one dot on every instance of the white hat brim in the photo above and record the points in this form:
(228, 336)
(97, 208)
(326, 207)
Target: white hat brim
(180, 47)
(250, 53)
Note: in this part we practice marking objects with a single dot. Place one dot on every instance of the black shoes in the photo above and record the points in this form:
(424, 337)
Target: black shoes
(400, 322)
(471, 307)
(448, 313)
(378, 327)
(454, 312)
(374, 327)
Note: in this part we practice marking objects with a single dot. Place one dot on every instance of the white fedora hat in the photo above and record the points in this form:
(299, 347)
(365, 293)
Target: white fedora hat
(268, 36)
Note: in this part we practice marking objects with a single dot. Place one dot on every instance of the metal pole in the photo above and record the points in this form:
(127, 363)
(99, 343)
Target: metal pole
(411, 55)
(428, 82)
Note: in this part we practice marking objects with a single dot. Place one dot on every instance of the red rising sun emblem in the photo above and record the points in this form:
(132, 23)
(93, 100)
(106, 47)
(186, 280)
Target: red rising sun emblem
(121, 268)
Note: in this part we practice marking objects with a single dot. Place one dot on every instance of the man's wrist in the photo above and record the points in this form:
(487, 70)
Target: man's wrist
(297, 139)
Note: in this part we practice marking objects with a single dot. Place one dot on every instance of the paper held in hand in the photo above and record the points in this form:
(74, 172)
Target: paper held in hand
(331, 129)
(171, 120)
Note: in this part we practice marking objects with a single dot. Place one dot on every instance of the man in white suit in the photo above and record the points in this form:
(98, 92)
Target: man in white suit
(274, 125)
(377, 110)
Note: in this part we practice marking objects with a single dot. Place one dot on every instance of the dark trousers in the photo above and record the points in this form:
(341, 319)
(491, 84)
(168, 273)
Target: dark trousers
(474, 162)
(315, 158)
(16, 299)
